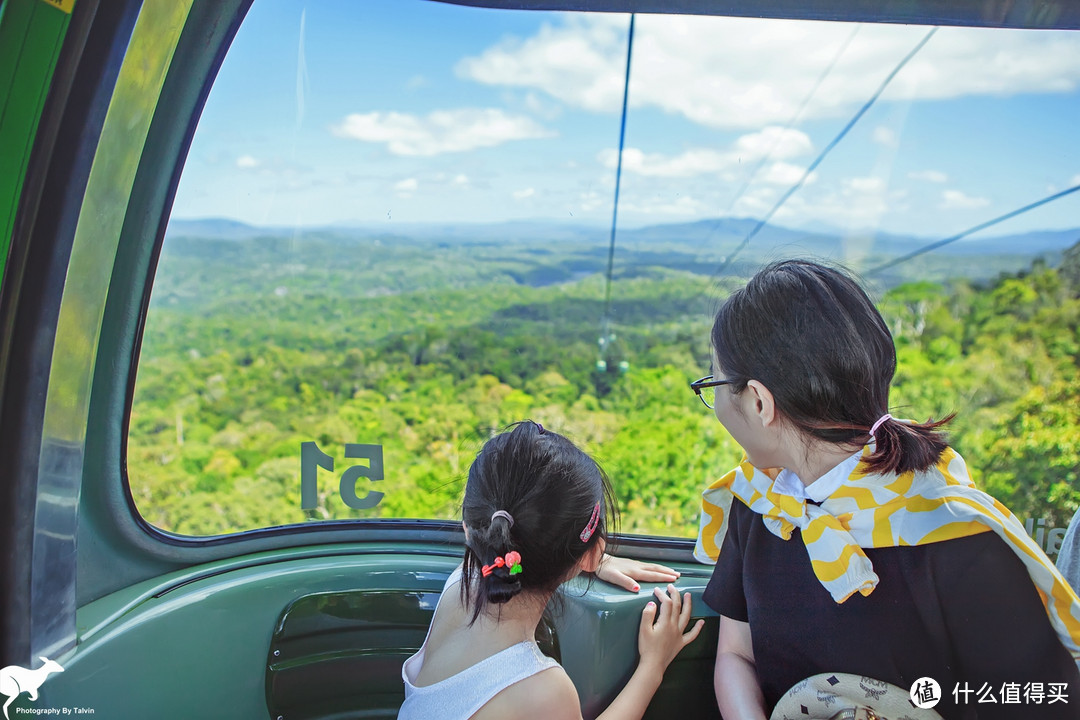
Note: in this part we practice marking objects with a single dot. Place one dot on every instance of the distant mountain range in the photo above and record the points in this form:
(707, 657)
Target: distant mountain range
(715, 236)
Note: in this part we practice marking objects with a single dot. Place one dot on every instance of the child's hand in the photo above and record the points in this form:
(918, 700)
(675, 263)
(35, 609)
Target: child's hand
(660, 637)
(627, 573)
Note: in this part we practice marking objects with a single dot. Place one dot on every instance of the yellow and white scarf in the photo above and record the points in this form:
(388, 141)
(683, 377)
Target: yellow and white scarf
(870, 510)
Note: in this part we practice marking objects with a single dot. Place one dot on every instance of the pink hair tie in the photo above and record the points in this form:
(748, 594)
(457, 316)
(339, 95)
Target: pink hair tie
(880, 421)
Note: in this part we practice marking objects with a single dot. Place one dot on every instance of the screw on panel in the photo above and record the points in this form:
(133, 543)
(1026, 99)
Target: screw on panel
(277, 653)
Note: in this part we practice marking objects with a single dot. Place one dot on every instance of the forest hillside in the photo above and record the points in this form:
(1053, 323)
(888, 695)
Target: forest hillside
(264, 356)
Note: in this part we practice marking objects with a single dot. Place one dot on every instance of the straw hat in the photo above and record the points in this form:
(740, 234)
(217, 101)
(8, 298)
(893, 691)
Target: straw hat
(839, 696)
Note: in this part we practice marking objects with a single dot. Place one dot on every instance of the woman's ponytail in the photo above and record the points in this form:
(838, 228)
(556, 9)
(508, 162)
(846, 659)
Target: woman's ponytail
(902, 446)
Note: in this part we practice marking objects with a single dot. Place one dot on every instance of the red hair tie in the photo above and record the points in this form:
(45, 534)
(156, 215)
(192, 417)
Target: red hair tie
(511, 560)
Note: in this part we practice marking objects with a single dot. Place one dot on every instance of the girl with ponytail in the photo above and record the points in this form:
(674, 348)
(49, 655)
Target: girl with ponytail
(850, 541)
(536, 512)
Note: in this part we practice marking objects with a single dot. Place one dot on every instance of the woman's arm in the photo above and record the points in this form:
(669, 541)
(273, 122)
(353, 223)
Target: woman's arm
(738, 692)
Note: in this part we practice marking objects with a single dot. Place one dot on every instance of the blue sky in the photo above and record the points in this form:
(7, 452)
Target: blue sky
(394, 111)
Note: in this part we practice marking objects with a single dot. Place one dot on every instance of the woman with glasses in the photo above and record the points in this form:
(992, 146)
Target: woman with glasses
(849, 541)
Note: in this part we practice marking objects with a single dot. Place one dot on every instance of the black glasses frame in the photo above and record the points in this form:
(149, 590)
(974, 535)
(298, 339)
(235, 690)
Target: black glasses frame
(707, 382)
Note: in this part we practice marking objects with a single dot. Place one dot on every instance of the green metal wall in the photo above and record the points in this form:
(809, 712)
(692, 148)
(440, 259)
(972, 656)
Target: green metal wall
(31, 33)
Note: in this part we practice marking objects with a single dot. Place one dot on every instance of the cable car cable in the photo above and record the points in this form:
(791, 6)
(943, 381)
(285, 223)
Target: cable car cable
(828, 148)
(605, 324)
(982, 226)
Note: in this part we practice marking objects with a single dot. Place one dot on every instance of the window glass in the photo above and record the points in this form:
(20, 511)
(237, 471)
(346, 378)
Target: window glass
(392, 237)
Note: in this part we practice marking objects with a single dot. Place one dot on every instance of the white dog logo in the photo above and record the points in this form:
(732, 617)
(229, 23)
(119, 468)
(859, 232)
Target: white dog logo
(15, 680)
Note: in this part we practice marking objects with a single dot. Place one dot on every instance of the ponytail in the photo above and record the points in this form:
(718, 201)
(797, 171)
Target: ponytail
(901, 447)
(481, 550)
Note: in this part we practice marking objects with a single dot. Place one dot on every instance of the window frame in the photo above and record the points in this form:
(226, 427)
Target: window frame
(116, 528)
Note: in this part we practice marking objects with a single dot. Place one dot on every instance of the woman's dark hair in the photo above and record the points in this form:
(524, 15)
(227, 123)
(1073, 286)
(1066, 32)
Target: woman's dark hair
(550, 488)
(813, 337)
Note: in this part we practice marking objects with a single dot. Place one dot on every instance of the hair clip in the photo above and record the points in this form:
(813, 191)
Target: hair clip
(539, 427)
(511, 560)
(593, 522)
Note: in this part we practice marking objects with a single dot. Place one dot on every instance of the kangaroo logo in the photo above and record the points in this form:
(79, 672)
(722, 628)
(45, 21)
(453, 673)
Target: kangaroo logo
(15, 680)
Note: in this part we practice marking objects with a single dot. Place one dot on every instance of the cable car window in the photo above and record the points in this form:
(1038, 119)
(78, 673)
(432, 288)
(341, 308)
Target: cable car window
(404, 225)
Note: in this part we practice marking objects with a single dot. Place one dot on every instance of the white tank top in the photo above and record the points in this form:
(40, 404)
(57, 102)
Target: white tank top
(459, 696)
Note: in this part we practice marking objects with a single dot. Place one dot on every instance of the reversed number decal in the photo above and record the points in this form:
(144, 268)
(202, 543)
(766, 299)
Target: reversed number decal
(312, 458)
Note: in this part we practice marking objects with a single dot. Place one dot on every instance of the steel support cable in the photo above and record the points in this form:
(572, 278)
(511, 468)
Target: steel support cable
(982, 226)
(828, 148)
(794, 119)
(605, 324)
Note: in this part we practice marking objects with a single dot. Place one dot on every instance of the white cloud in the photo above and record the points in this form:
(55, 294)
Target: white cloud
(1075, 180)
(542, 106)
(577, 62)
(757, 201)
(246, 162)
(859, 202)
(853, 203)
(865, 185)
(405, 188)
(885, 136)
(442, 131)
(957, 200)
(785, 174)
(591, 200)
(776, 142)
(762, 69)
(460, 180)
(932, 176)
(705, 161)
(683, 205)
(865, 200)
(522, 194)
(687, 164)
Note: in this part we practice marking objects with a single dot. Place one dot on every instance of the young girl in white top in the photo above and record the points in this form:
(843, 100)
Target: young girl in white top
(535, 513)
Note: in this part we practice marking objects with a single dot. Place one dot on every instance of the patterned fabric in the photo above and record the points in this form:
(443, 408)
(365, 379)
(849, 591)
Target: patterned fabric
(873, 510)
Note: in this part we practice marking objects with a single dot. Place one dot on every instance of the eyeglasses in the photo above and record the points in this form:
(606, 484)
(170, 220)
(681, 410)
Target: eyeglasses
(707, 382)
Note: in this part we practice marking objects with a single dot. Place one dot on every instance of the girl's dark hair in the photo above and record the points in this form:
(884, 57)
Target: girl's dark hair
(550, 488)
(813, 337)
